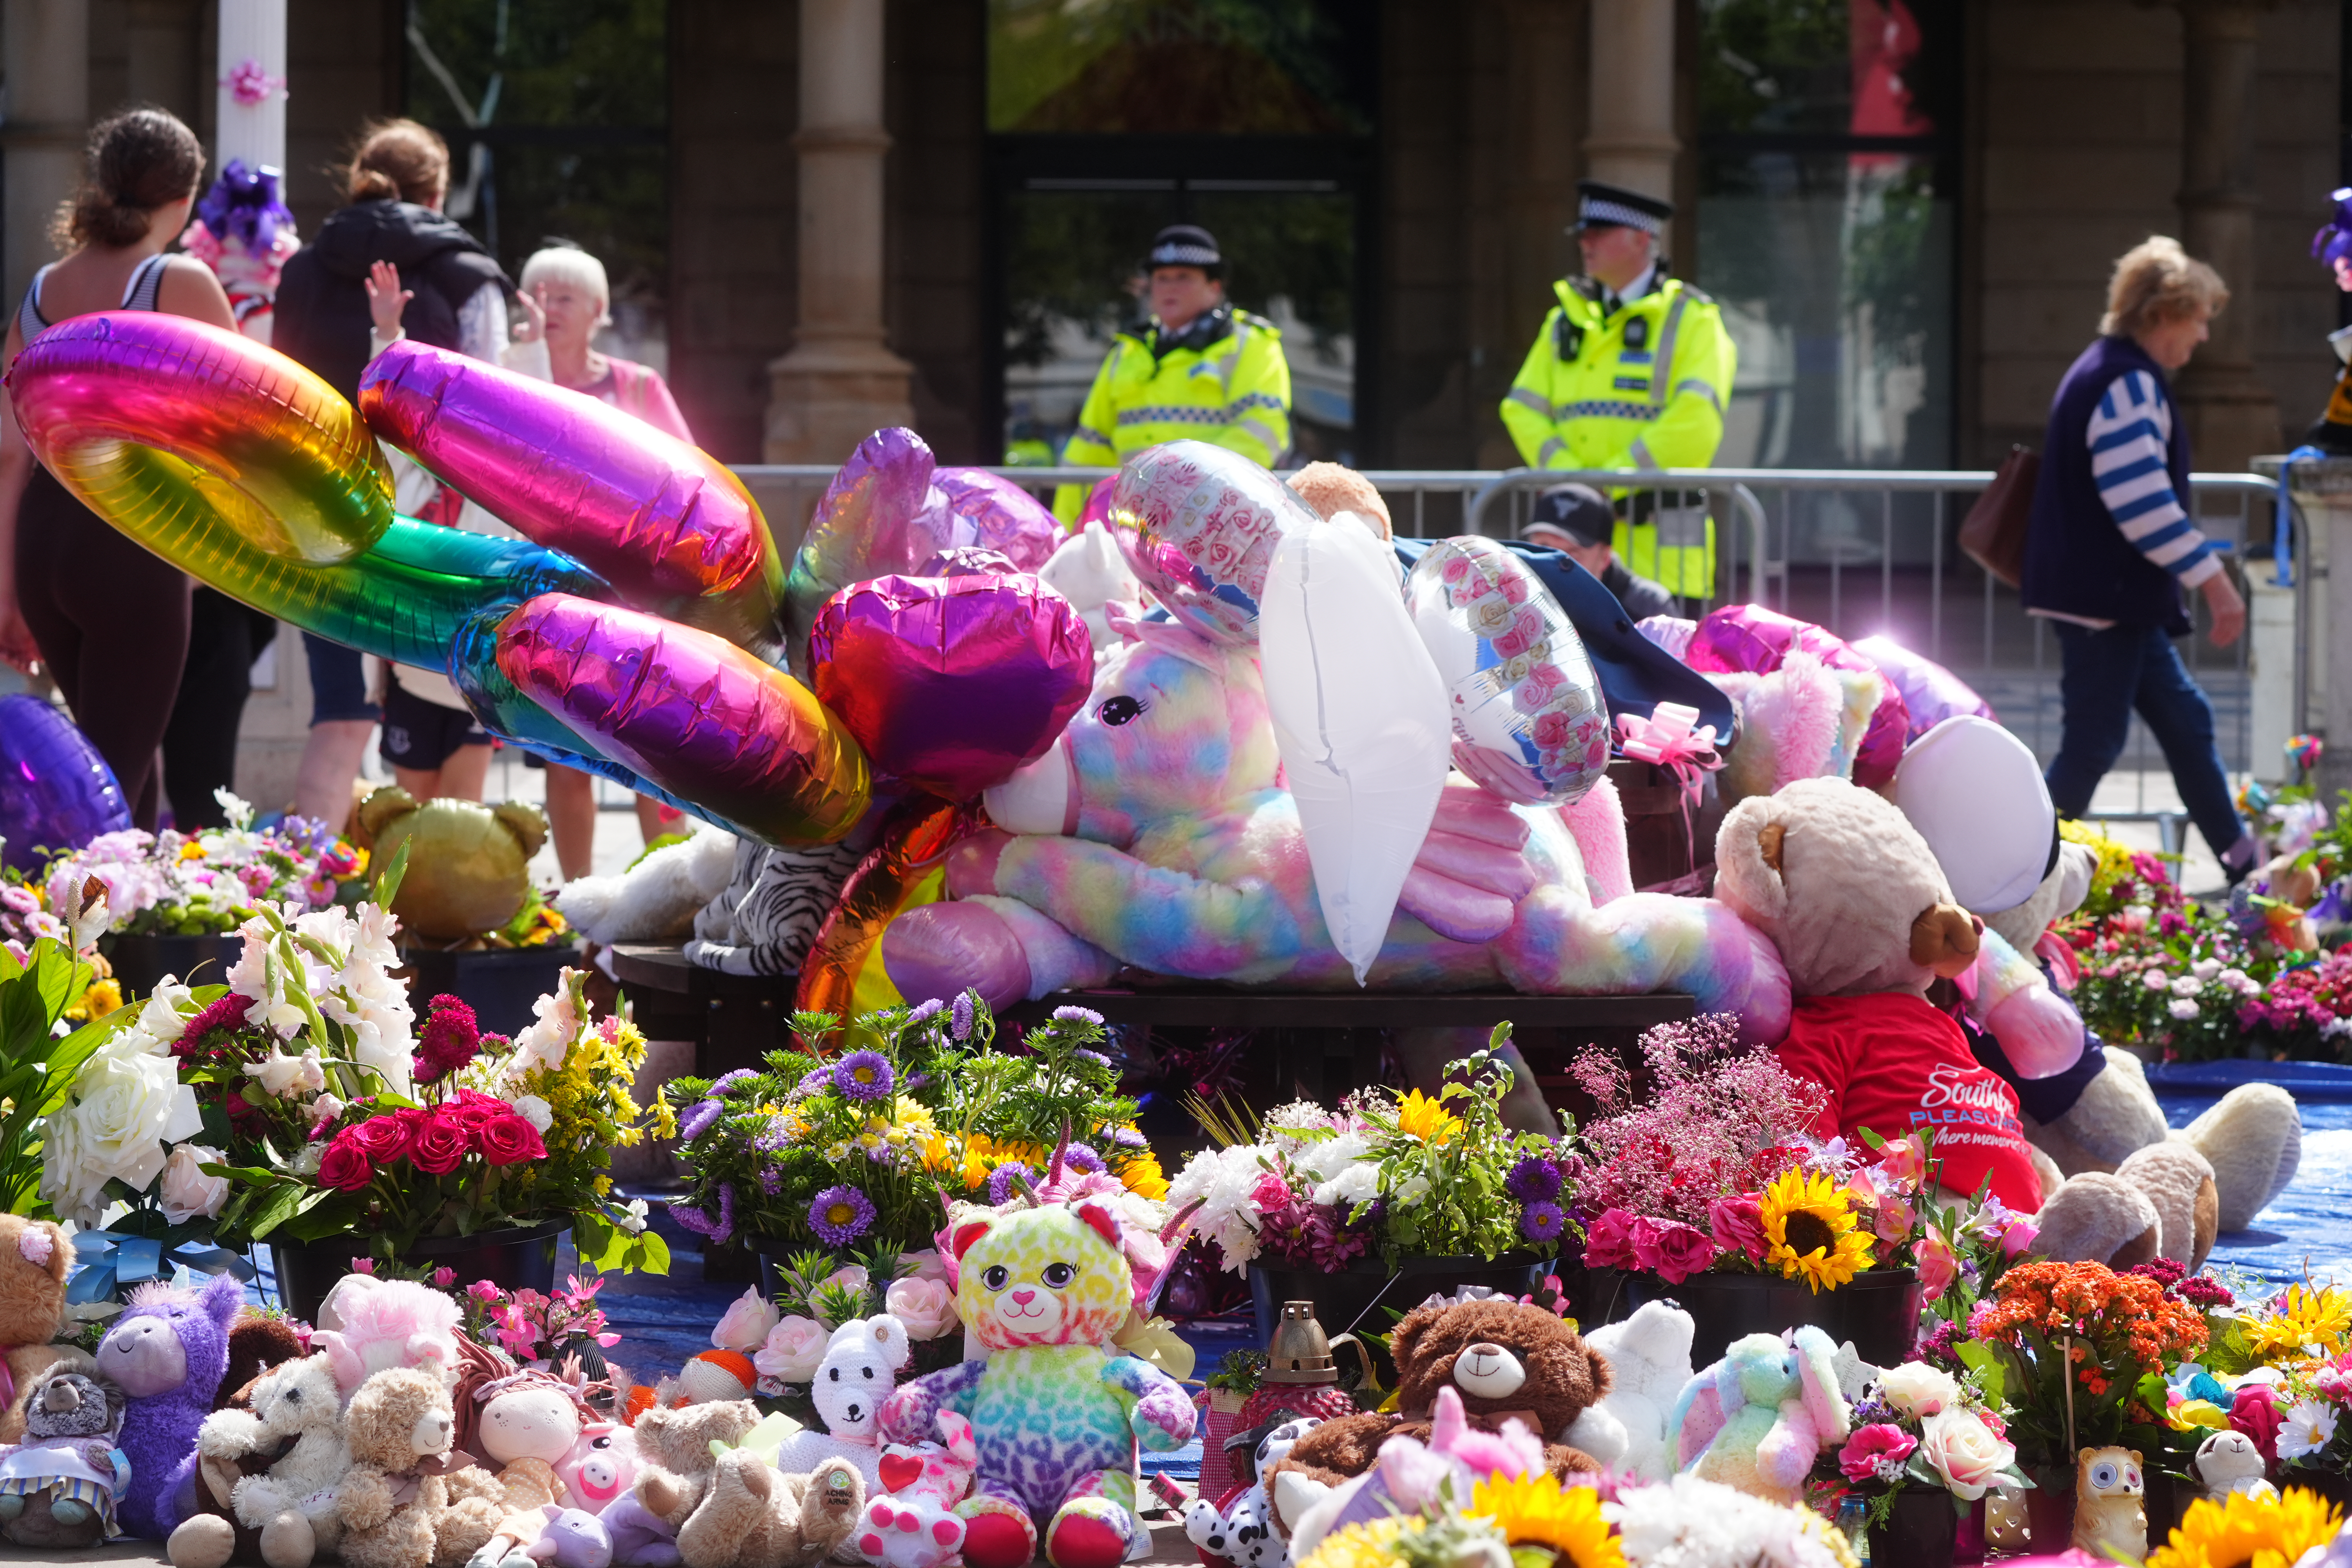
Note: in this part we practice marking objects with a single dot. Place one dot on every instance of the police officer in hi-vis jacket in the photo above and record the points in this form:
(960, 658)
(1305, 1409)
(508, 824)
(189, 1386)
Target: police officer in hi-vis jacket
(1632, 370)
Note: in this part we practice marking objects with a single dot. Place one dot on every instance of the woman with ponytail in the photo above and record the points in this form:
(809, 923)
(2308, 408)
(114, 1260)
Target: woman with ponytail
(108, 619)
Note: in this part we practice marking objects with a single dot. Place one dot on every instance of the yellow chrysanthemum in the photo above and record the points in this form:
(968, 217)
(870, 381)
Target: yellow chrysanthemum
(192, 850)
(1143, 1176)
(102, 996)
(915, 1116)
(1535, 1510)
(2306, 1319)
(1418, 1116)
(2242, 1531)
(1362, 1545)
(1809, 1231)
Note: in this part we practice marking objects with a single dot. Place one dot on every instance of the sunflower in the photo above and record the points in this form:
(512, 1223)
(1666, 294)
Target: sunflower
(1419, 1116)
(2242, 1531)
(1809, 1231)
(1535, 1510)
(1141, 1175)
(1365, 1545)
(2306, 1318)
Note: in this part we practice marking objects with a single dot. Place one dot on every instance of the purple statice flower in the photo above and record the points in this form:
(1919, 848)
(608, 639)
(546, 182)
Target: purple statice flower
(1000, 1180)
(959, 1017)
(772, 1180)
(1534, 1180)
(717, 1230)
(864, 1075)
(774, 1138)
(1542, 1222)
(1081, 1158)
(1078, 1015)
(1879, 1412)
(698, 1118)
(841, 1215)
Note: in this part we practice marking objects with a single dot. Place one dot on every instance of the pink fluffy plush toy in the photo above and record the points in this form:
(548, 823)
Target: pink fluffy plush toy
(1277, 811)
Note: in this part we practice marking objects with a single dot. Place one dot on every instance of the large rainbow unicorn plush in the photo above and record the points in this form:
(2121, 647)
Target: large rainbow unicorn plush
(1163, 832)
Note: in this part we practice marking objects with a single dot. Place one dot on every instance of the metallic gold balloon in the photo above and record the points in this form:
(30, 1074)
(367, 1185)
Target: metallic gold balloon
(153, 419)
(914, 841)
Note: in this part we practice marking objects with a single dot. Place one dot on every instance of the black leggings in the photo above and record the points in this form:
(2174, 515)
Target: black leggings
(111, 620)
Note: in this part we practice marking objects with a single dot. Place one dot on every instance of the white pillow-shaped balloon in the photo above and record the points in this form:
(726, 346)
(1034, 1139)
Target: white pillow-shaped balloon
(1198, 525)
(1360, 719)
(1529, 723)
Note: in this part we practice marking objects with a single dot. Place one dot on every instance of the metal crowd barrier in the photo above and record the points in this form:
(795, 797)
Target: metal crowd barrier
(1770, 538)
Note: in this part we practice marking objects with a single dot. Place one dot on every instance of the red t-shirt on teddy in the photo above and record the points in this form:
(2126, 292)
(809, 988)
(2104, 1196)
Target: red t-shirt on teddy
(1895, 1065)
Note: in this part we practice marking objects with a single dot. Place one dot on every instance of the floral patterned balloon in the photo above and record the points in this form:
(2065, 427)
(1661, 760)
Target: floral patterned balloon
(1198, 525)
(1529, 720)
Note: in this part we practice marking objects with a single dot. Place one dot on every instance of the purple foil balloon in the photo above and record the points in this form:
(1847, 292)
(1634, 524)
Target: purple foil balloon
(55, 791)
(1198, 525)
(952, 684)
(1752, 639)
(1000, 516)
(863, 520)
(691, 711)
(667, 525)
(1931, 693)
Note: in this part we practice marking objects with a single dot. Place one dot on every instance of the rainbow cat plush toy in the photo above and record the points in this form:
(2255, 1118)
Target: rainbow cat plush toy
(1055, 1414)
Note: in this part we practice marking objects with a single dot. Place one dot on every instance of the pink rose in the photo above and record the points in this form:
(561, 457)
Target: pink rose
(1609, 1241)
(1738, 1227)
(1903, 1160)
(926, 1307)
(746, 1323)
(1937, 1266)
(2020, 1233)
(1963, 1452)
(1877, 1453)
(1672, 1250)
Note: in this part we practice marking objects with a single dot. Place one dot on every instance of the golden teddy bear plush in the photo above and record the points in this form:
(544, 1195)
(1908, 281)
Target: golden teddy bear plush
(402, 1507)
(468, 864)
(754, 1516)
(674, 1456)
(34, 1257)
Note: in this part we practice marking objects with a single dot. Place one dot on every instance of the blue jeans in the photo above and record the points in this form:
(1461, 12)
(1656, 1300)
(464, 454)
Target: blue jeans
(2107, 675)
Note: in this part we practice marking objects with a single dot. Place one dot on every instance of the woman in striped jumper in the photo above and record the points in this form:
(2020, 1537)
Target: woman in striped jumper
(2112, 545)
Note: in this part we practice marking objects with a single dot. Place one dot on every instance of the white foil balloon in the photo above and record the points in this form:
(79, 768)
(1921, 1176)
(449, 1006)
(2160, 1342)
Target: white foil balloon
(1198, 525)
(1528, 720)
(1360, 719)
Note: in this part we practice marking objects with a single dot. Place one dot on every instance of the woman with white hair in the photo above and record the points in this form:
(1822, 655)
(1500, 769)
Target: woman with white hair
(566, 298)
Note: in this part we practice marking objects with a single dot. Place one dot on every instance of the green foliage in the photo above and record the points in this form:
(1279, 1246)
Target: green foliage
(38, 1067)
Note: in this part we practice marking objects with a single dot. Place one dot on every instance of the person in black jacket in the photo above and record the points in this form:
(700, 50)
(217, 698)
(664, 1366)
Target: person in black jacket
(457, 300)
(1575, 520)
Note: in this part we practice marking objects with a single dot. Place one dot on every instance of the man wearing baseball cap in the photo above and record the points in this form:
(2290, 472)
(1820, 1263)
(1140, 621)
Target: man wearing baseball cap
(1575, 520)
(1202, 371)
(1632, 370)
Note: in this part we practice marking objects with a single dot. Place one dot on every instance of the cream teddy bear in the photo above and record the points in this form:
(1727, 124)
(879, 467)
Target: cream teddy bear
(1649, 1357)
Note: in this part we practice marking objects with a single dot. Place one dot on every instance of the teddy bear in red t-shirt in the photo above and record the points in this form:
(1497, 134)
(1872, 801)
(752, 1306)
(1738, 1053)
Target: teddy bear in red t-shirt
(1855, 900)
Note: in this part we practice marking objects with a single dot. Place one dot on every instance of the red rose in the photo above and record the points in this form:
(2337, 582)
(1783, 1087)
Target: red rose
(1609, 1241)
(441, 1141)
(1681, 1251)
(345, 1165)
(381, 1138)
(473, 1109)
(504, 1139)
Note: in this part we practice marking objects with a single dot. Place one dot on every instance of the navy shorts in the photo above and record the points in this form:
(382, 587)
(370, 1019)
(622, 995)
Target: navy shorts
(423, 735)
(338, 682)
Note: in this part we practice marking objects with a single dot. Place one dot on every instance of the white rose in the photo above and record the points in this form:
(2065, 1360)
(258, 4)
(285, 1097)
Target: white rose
(926, 1306)
(1961, 1449)
(535, 1111)
(128, 1104)
(746, 1322)
(796, 1349)
(1918, 1390)
(187, 1191)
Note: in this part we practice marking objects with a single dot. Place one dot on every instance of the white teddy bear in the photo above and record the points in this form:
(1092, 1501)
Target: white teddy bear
(915, 1524)
(1244, 1533)
(2229, 1462)
(301, 1401)
(861, 1365)
(1649, 1357)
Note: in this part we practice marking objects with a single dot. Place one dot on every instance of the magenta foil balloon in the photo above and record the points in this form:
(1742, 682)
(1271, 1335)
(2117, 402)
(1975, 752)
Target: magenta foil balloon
(952, 684)
(1198, 525)
(1752, 639)
(56, 792)
(860, 529)
(1931, 693)
(669, 526)
(1000, 516)
(691, 711)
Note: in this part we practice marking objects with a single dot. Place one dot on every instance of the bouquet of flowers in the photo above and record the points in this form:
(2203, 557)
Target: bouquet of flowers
(207, 884)
(2079, 1353)
(1433, 1175)
(2306, 1009)
(535, 1329)
(868, 1147)
(42, 980)
(1919, 1426)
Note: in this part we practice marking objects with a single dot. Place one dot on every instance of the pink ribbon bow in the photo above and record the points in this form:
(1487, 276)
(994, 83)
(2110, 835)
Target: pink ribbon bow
(1667, 739)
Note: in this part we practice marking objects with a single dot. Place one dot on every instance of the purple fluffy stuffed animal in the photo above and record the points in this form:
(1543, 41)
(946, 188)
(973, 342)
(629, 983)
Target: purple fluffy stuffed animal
(169, 1352)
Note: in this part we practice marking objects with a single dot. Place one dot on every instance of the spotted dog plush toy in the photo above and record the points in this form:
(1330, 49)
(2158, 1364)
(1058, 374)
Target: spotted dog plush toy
(1244, 1534)
(1055, 1412)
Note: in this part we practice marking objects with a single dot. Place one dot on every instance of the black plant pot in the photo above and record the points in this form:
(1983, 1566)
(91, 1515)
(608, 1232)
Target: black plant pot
(140, 962)
(1354, 1295)
(515, 1259)
(1878, 1310)
(500, 986)
(1919, 1531)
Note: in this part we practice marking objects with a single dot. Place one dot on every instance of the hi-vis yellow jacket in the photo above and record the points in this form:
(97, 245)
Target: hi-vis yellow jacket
(1641, 386)
(1222, 380)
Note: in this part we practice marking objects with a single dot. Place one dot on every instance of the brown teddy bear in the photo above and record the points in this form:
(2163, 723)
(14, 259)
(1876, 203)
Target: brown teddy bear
(752, 1516)
(1856, 903)
(34, 1257)
(674, 1453)
(1505, 1359)
(399, 1508)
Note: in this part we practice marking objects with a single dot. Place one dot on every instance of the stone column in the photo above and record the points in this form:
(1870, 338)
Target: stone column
(1631, 141)
(840, 381)
(2231, 415)
(46, 47)
(251, 102)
